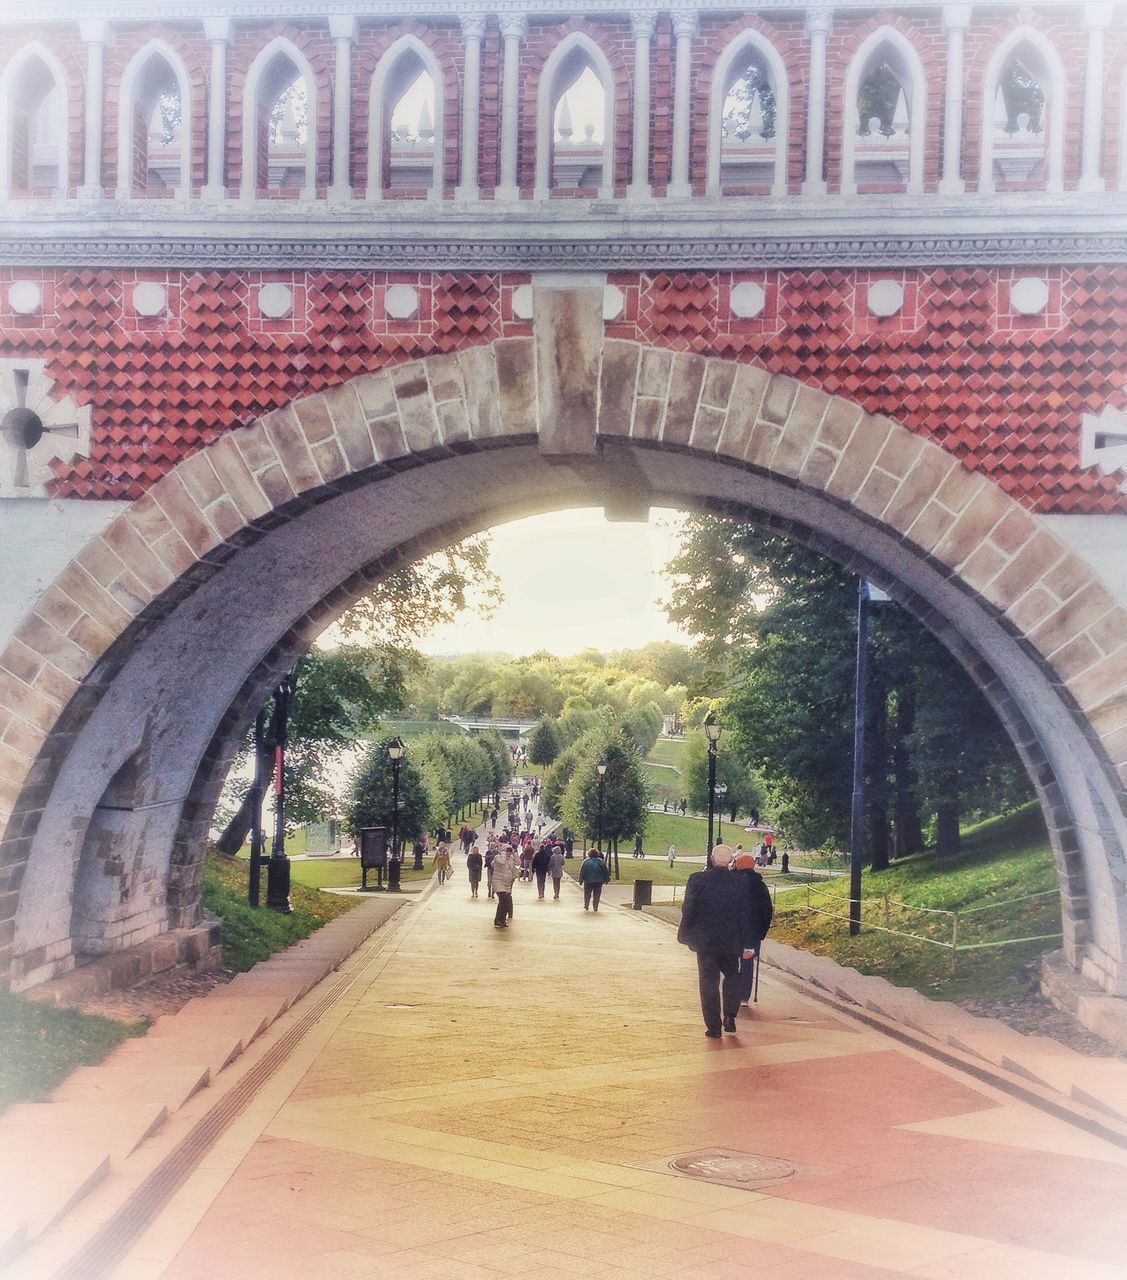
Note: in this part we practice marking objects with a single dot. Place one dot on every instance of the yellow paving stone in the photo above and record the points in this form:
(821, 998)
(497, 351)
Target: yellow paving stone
(1015, 1127)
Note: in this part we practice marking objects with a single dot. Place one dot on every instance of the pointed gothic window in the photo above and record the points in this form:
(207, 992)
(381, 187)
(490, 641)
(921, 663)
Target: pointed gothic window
(411, 145)
(279, 125)
(37, 114)
(1021, 140)
(153, 137)
(749, 127)
(575, 122)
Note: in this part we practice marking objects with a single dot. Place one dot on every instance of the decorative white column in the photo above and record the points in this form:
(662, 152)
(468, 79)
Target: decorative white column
(218, 32)
(95, 35)
(818, 23)
(642, 25)
(1097, 18)
(343, 31)
(514, 27)
(469, 184)
(956, 19)
(684, 28)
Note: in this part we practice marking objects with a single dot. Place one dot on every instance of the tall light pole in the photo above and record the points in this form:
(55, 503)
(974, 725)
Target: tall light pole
(395, 750)
(721, 792)
(712, 733)
(865, 594)
(601, 770)
(278, 866)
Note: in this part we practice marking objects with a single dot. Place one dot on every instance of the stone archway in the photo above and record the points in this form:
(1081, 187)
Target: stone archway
(142, 661)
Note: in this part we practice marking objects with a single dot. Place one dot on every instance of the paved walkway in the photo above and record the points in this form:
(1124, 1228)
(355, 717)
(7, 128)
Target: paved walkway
(478, 1104)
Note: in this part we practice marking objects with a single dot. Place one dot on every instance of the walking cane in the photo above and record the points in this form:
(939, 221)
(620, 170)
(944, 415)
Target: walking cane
(758, 959)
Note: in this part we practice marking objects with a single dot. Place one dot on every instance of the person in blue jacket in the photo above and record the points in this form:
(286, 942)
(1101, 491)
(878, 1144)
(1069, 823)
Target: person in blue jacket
(593, 874)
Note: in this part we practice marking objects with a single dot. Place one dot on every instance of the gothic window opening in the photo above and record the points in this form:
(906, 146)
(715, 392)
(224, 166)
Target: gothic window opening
(154, 129)
(279, 126)
(578, 131)
(882, 120)
(37, 114)
(412, 136)
(1021, 133)
(749, 128)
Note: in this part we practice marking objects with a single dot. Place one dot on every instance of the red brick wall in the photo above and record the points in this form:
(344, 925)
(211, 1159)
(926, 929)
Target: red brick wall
(1003, 393)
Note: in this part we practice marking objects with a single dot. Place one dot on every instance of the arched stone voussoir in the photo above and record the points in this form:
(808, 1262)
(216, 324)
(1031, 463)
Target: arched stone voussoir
(814, 465)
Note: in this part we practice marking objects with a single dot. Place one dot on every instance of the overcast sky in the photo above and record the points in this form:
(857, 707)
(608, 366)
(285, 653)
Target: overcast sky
(572, 581)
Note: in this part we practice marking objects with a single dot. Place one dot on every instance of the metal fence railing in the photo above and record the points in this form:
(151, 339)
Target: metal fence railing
(949, 924)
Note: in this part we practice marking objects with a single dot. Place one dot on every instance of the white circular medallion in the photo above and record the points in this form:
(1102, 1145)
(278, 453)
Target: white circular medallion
(747, 299)
(1029, 296)
(25, 297)
(149, 298)
(401, 302)
(275, 301)
(885, 297)
(614, 302)
(522, 302)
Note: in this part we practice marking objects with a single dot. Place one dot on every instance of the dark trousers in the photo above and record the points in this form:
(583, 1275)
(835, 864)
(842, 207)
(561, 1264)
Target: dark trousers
(541, 880)
(746, 979)
(591, 893)
(712, 966)
(504, 907)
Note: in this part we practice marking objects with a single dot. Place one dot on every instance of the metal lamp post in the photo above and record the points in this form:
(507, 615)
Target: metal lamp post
(601, 770)
(721, 792)
(712, 733)
(395, 751)
(278, 866)
(865, 594)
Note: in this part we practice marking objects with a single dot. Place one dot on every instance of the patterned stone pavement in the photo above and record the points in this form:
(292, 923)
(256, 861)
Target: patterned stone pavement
(483, 1104)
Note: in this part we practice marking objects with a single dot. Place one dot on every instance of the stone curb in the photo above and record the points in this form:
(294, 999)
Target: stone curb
(1096, 1083)
(53, 1153)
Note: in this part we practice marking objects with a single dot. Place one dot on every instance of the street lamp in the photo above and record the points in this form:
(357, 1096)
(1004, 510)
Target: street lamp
(721, 792)
(866, 594)
(601, 770)
(395, 751)
(712, 733)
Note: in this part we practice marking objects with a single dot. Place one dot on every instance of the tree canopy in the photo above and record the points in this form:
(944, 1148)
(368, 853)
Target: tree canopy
(777, 624)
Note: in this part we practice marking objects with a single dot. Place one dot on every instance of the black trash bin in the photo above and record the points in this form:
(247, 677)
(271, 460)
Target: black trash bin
(643, 893)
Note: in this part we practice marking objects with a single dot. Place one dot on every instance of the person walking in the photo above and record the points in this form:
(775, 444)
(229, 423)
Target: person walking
(639, 852)
(490, 854)
(540, 860)
(593, 874)
(743, 866)
(556, 869)
(504, 873)
(441, 861)
(672, 854)
(719, 924)
(474, 862)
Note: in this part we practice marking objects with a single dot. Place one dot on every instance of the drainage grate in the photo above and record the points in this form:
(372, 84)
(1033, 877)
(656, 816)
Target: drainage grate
(732, 1168)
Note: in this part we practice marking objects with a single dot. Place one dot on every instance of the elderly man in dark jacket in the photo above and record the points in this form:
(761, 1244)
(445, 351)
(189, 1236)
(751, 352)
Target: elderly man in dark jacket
(723, 922)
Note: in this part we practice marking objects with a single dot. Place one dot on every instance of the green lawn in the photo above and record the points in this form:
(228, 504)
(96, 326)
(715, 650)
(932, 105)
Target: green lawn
(1002, 859)
(668, 751)
(344, 873)
(41, 1045)
(690, 835)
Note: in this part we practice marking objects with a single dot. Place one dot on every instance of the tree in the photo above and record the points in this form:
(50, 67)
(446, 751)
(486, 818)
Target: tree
(339, 695)
(786, 622)
(744, 792)
(544, 745)
(624, 793)
(500, 758)
(373, 789)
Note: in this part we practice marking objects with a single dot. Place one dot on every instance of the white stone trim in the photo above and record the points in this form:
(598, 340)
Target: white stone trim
(819, 22)
(248, 182)
(8, 78)
(548, 95)
(1055, 91)
(721, 77)
(906, 62)
(126, 178)
(379, 115)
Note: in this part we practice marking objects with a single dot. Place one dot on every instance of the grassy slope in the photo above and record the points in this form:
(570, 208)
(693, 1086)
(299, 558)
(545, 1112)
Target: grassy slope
(251, 935)
(40, 1045)
(1002, 859)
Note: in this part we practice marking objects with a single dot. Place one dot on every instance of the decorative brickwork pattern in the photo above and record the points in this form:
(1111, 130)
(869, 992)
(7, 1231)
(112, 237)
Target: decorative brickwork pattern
(1003, 392)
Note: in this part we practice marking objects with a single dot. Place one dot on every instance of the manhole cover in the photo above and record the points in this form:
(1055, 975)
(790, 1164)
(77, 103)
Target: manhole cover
(734, 1168)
